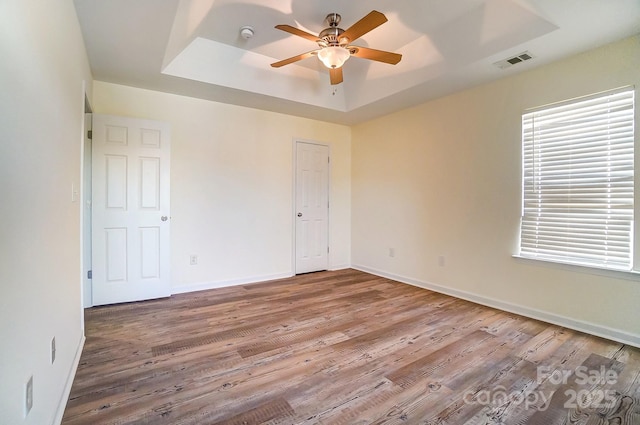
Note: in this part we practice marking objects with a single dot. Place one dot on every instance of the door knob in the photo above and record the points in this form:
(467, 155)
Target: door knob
(299, 214)
(164, 218)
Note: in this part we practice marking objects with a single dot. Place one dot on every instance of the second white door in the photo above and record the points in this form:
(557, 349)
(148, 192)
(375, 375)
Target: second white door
(312, 207)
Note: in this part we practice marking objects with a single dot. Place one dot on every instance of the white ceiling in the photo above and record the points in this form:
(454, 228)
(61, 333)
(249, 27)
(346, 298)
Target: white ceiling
(194, 48)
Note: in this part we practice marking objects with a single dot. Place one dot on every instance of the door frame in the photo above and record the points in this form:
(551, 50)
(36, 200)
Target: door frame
(294, 204)
(87, 300)
(85, 210)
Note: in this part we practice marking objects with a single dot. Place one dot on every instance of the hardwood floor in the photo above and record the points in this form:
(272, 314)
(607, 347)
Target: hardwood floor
(343, 347)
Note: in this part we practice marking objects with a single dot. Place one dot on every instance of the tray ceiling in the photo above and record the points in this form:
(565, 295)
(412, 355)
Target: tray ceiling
(194, 48)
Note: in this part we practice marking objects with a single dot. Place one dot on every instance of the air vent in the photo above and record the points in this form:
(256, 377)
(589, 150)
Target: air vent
(509, 62)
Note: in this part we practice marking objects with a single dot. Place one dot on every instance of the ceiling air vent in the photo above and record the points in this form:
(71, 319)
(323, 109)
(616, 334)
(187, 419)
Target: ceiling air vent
(509, 62)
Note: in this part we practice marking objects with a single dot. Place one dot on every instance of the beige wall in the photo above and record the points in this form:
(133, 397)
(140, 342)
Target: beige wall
(232, 184)
(443, 180)
(42, 70)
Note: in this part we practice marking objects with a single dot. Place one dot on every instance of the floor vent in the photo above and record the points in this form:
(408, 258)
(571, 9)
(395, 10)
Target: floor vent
(509, 62)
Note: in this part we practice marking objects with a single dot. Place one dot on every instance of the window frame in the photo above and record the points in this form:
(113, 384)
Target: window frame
(566, 261)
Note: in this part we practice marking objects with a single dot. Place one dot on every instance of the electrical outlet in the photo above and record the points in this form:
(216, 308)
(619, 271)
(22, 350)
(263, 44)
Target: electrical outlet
(392, 252)
(441, 260)
(53, 350)
(193, 260)
(28, 396)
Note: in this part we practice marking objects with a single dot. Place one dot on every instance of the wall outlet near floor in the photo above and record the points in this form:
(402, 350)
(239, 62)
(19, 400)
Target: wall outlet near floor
(53, 349)
(28, 396)
(193, 260)
(441, 260)
(392, 252)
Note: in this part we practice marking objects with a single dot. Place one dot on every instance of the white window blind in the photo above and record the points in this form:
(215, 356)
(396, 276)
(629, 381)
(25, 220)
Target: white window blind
(578, 181)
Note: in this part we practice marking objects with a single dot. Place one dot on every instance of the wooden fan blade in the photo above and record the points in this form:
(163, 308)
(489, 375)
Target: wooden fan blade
(375, 55)
(298, 32)
(294, 59)
(336, 75)
(373, 20)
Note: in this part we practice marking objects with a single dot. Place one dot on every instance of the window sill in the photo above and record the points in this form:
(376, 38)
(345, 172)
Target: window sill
(617, 274)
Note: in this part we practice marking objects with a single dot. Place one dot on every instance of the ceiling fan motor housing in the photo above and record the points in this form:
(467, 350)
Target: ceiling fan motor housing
(331, 36)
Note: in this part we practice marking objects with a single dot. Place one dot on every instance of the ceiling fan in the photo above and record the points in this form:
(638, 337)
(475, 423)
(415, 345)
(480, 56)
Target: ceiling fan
(335, 47)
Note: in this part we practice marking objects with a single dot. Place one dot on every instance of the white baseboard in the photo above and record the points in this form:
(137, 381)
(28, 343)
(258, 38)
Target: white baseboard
(340, 267)
(203, 286)
(62, 404)
(545, 316)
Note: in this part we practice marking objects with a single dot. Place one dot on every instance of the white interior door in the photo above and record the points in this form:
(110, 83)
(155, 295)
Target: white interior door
(130, 214)
(312, 207)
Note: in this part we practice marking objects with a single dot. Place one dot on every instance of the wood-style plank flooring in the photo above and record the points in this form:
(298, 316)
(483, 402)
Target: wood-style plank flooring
(343, 347)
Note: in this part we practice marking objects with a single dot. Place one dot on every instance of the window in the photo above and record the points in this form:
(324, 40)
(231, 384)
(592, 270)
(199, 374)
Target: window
(578, 181)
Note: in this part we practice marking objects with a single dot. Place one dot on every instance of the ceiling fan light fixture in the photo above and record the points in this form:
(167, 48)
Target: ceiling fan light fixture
(333, 56)
(334, 44)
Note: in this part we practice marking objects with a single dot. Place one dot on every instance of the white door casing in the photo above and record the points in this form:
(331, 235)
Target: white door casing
(131, 209)
(87, 299)
(312, 207)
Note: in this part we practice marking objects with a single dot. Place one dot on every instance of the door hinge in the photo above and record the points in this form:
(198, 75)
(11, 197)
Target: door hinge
(327, 250)
(90, 274)
(89, 134)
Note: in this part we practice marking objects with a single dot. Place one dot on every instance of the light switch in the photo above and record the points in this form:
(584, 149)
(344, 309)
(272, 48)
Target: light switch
(74, 193)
